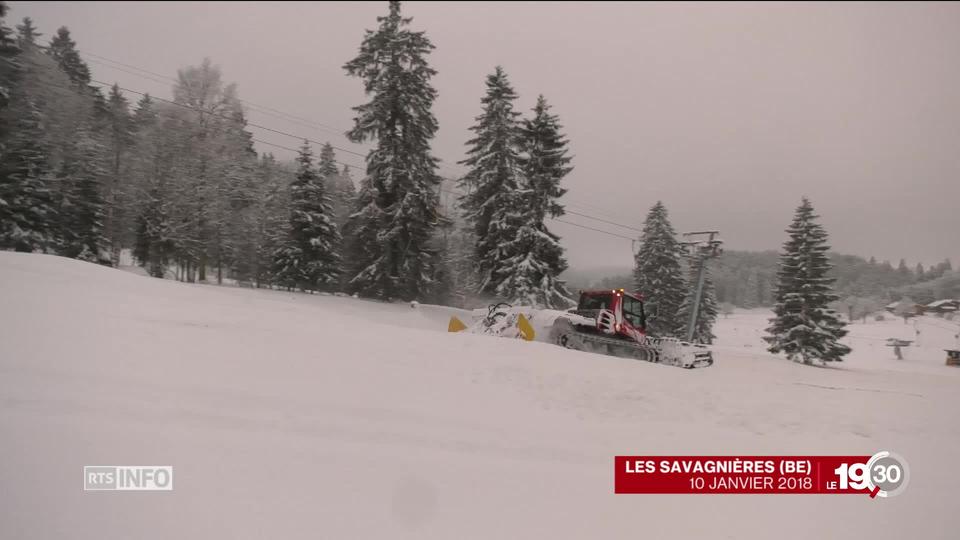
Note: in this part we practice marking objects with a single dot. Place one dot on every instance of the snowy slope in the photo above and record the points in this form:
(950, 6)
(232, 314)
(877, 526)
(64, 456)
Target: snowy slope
(307, 416)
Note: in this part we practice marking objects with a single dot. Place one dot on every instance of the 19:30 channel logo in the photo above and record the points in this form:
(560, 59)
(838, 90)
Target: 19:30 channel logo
(885, 475)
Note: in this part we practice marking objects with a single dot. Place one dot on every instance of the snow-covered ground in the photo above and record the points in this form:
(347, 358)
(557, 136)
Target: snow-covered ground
(306, 416)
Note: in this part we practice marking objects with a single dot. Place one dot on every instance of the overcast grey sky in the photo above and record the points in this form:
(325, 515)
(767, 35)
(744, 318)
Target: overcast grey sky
(728, 112)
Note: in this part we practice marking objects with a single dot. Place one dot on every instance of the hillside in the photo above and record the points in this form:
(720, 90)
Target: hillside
(748, 279)
(305, 416)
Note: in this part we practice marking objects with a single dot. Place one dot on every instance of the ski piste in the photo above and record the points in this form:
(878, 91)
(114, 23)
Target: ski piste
(607, 321)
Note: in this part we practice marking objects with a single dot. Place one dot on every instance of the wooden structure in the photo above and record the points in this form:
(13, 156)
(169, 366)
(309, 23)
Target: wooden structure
(910, 310)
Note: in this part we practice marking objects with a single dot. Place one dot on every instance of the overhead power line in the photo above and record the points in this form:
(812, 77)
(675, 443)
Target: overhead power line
(592, 229)
(284, 147)
(459, 192)
(154, 76)
(250, 124)
(601, 220)
(295, 150)
(280, 132)
(313, 124)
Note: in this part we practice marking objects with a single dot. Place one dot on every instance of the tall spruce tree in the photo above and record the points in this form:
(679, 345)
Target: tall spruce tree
(155, 239)
(342, 194)
(345, 195)
(270, 231)
(804, 326)
(9, 67)
(64, 50)
(83, 209)
(145, 114)
(904, 270)
(342, 191)
(120, 138)
(28, 214)
(155, 234)
(492, 204)
(339, 186)
(392, 63)
(49, 160)
(658, 273)
(308, 259)
(706, 314)
(327, 162)
(27, 33)
(360, 233)
(536, 259)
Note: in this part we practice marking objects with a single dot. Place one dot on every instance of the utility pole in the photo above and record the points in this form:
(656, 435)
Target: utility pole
(700, 250)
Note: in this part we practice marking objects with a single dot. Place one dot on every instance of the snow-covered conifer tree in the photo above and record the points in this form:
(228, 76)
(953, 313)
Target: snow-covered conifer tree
(83, 209)
(360, 235)
(492, 205)
(27, 213)
(145, 113)
(535, 257)
(120, 140)
(339, 185)
(64, 50)
(9, 67)
(349, 189)
(392, 63)
(155, 235)
(308, 259)
(327, 162)
(342, 193)
(658, 273)
(155, 239)
(271, 220)
(343, 196)
(804, 326)
(27, 33)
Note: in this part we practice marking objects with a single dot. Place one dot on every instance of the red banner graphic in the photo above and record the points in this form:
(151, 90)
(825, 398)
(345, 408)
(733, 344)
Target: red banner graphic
(741, 474)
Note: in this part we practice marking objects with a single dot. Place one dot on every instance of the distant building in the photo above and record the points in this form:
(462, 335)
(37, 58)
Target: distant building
(914, 309)
(943, 306)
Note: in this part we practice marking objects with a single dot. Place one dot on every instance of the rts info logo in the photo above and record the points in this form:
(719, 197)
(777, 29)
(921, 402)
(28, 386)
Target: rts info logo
(128, 478)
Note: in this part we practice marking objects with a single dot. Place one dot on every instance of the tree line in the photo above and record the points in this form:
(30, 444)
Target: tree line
(747, 279)
(180, 184)
(805, 326)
